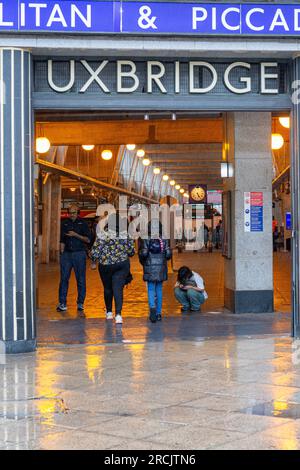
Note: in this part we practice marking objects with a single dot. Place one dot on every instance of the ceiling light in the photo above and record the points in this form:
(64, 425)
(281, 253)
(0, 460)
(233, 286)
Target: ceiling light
(88, 148)
(146, 161)
(42, 145)
(186, 195)
(156, 171)
(165, 177)
(106, 154)
(140, 153)
(277, 141)
(130, 147)
(285, 122)
(73, 190)
(172, 182)
(177, 187)
(182, 190)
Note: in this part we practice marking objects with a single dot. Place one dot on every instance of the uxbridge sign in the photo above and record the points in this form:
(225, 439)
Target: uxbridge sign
(181, 83)
(81, 16)
(127, 76)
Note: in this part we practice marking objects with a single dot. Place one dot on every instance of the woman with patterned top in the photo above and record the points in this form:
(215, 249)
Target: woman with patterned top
(112, 250)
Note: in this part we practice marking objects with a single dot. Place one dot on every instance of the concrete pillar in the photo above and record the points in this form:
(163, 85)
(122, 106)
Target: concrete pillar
(249, 272)
(17, 290)
(295, 178)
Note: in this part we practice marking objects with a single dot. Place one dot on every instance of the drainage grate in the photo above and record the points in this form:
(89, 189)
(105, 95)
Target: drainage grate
(277, 409)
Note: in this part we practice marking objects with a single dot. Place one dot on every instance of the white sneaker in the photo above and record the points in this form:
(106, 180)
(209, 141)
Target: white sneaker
(119, 319)
(109, 316)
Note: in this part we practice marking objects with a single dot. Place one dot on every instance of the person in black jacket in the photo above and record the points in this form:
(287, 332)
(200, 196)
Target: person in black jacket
(154, 254)
(74, 240)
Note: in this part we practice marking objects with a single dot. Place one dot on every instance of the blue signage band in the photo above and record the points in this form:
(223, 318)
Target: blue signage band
(255, 19)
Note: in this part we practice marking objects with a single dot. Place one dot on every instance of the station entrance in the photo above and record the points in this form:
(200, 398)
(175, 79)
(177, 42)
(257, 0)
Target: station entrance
(163, 157)
(195, 118)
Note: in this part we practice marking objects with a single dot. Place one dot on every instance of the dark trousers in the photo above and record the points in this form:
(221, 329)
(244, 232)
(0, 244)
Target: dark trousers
(113, 277)
(190, 299)
(72, 260)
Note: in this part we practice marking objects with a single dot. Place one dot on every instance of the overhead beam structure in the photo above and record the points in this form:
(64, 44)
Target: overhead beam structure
(140, 132)
(62, 171)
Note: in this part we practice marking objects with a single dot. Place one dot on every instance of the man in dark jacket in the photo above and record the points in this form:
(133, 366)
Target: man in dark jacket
(75, 236)
(154, 254)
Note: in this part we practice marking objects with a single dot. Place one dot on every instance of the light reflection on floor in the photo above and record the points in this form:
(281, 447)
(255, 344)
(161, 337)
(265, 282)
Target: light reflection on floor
(209, 265)
(55, 328)
(215, 380)
(210, 394)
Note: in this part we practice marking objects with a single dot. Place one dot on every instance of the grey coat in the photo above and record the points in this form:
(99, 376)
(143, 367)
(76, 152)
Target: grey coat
(155, 265)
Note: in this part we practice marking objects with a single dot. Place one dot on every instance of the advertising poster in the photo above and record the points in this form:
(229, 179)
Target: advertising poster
(288, 221)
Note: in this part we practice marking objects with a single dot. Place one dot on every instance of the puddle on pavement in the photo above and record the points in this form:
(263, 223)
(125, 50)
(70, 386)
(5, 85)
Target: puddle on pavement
(21, 409)
(277, 409)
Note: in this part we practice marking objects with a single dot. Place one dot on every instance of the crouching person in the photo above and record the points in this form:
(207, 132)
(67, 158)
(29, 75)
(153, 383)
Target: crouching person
(190, 290)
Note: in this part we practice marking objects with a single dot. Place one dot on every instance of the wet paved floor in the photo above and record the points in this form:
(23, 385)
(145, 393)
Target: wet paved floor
(225, 393)
(214, 321)
(208, 381)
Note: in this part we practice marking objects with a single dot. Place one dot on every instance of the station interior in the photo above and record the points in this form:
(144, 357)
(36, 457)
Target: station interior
(186, 147)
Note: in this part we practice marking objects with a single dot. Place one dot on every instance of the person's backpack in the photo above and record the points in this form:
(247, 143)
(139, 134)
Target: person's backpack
(156, 246)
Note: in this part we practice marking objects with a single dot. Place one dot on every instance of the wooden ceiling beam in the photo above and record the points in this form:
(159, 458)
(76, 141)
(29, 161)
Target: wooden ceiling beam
(183, 148)
(196, 178)
(138, 132)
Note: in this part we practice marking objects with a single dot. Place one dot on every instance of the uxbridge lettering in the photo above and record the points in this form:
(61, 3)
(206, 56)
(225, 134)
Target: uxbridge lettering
(155, 76)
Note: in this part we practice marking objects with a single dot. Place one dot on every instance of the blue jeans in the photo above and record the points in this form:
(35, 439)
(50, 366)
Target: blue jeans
(72, 260)
(190, 299)
(155, 295)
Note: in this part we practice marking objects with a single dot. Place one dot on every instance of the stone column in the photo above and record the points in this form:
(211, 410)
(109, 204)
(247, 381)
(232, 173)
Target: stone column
(295, 178)
(17, 289)
(249, 272)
